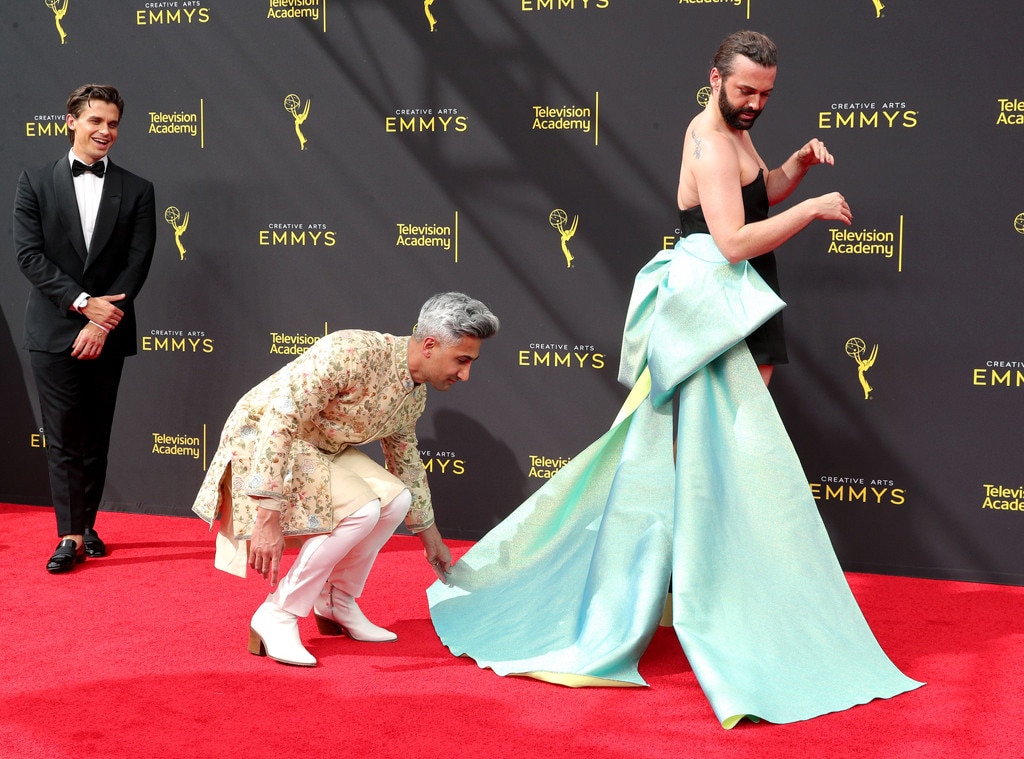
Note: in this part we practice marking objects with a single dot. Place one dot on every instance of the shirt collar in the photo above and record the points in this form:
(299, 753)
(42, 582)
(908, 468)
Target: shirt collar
(402, 363)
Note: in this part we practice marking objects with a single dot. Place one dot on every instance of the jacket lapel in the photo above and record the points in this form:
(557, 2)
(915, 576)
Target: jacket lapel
(67, 205)
(106, 216)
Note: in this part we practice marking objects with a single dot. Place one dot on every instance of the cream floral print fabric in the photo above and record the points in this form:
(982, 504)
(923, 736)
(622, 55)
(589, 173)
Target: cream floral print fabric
(351, 387)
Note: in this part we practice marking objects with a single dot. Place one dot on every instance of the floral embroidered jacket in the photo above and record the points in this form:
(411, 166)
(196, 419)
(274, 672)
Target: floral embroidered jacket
(350, 387)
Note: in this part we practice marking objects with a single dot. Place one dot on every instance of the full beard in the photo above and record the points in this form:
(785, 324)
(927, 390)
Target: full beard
(732, 115)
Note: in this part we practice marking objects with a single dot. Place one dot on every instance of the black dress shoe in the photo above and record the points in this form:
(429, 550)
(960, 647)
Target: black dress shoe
(94, 547)
(65, 557)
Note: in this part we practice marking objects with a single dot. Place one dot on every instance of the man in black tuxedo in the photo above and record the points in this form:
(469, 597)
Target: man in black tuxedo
(84, 232)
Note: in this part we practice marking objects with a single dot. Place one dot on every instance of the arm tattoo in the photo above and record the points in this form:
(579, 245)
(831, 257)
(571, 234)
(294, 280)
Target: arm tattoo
(697, 144)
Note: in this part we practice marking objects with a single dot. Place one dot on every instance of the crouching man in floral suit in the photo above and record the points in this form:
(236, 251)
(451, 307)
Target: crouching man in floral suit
(287, 466)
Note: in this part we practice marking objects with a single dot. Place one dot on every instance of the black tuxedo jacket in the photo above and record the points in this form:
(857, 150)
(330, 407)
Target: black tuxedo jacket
(51, 252)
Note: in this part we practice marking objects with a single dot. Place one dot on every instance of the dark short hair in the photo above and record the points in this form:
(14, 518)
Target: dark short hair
(78, 101)
(752, 45)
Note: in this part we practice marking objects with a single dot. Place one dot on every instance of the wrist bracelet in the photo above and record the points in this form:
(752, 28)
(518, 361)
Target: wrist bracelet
(105, 330)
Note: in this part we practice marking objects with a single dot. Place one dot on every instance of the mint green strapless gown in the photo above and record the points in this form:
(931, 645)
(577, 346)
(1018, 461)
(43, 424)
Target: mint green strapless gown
(571, 586)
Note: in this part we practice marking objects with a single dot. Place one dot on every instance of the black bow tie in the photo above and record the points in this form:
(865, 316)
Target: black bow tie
(78, 168)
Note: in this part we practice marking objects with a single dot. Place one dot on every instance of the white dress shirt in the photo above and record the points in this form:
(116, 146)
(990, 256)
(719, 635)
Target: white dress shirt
(88, 188)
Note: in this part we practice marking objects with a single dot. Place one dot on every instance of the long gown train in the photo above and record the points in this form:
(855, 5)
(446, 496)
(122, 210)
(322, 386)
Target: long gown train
(571, 586)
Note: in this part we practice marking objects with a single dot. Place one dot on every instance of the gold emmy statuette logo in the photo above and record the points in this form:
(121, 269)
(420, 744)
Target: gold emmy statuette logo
(1018, 223)
(291, 104)
(172, 216)
(59, 10)
(557, 219)
(430, 16)
(855, 348)
(878, 8)
(703, 96)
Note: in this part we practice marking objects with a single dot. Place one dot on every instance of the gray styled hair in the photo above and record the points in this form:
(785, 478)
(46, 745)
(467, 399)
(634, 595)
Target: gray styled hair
(448, 317)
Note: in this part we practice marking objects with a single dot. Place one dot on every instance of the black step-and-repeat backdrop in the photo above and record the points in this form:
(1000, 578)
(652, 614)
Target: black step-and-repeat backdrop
(323, 164)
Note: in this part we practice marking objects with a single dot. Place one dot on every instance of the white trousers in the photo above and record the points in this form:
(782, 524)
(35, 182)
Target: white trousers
(342, 558)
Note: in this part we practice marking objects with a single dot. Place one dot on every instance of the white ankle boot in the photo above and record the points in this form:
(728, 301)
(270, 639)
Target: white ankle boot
(274, 632)
(338, 613)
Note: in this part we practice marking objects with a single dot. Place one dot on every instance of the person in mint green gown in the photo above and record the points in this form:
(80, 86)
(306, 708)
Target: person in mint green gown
(695, 491)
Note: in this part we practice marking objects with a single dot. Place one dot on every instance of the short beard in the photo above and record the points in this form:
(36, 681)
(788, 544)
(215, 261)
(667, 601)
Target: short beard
(732, 115)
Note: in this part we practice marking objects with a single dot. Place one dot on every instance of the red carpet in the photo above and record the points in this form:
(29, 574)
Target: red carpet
(143, 654)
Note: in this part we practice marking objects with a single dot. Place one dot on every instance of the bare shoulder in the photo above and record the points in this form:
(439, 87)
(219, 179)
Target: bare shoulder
(701, 135)
(708, 153)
